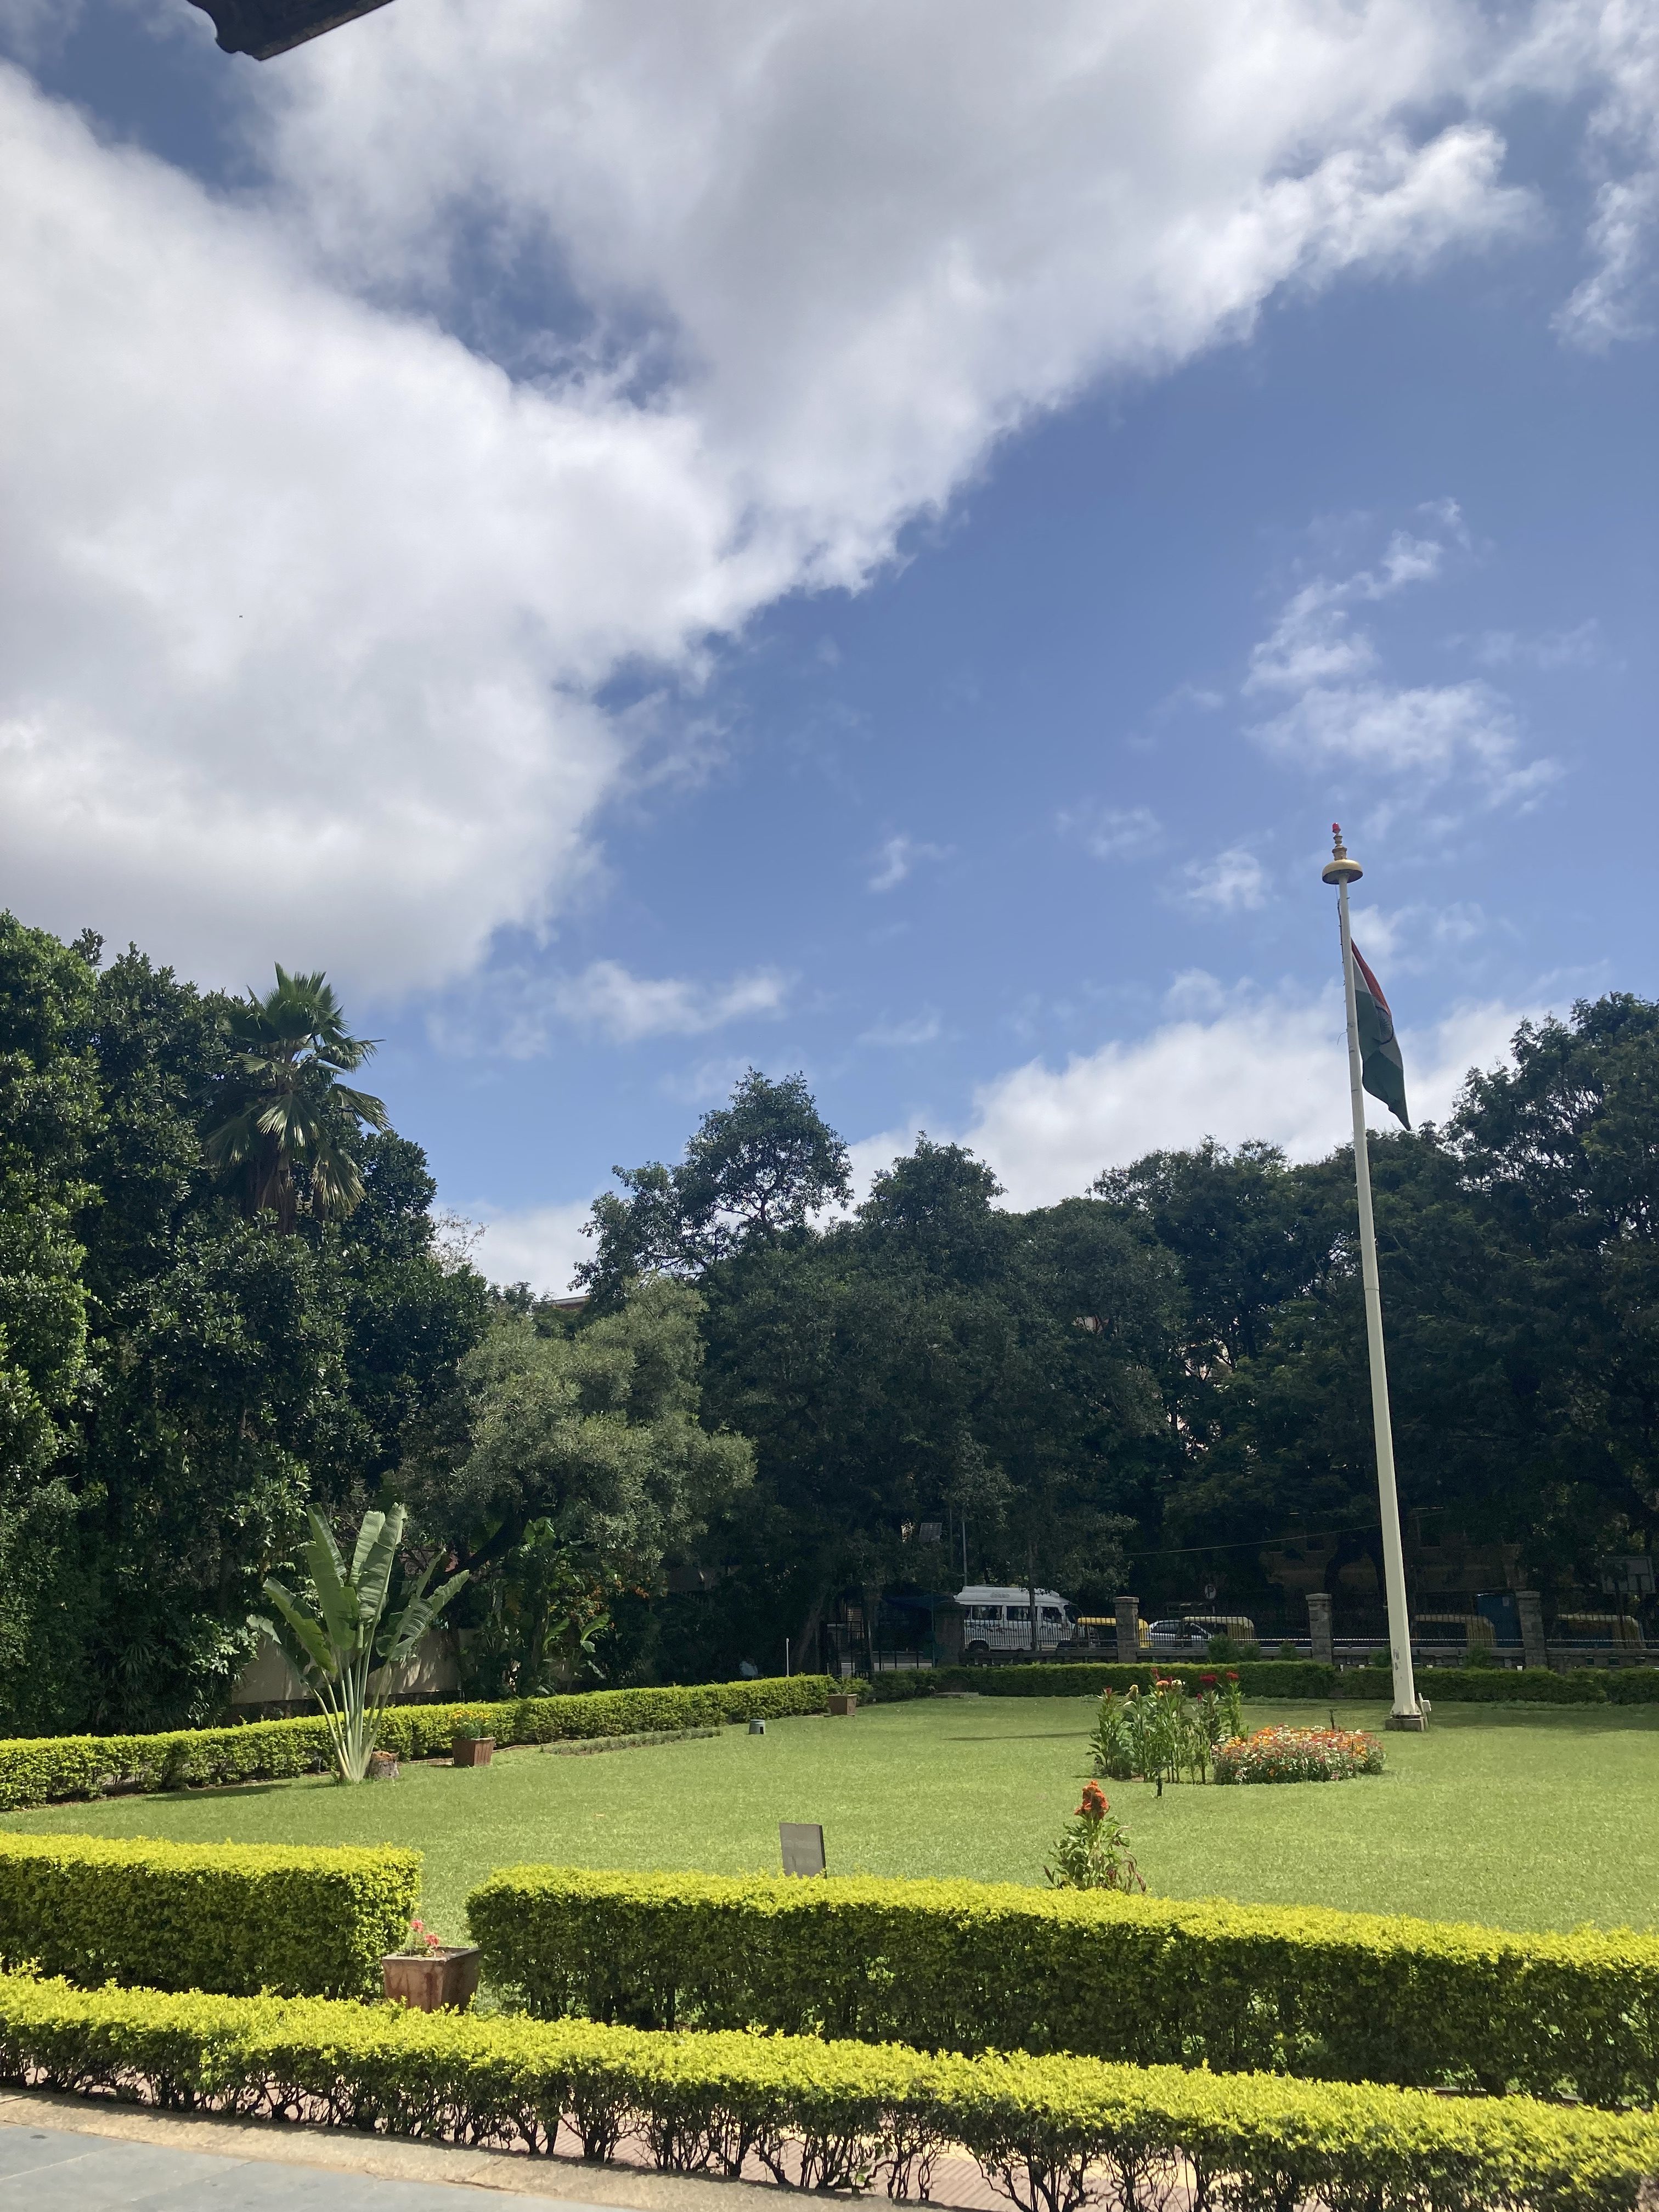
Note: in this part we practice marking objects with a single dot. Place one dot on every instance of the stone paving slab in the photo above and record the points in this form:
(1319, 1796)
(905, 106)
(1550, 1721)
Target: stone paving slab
(48, 2128)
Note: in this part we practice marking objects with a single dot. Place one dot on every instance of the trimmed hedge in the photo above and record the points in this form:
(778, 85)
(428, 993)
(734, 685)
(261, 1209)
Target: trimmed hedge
(1294, 1680)
(1062, 1678)
(961, 1965)
(830, 2116)
(43, 1770)
(234, 1917)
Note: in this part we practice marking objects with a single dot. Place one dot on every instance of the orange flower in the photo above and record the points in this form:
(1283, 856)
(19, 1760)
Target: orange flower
(1094, 1806)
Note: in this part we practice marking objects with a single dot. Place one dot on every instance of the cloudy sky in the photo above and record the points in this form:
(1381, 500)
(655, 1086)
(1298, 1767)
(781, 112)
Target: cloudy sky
(864, 537)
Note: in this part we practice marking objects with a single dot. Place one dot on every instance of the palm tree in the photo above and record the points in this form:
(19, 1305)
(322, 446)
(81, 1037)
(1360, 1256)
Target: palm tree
(292, 1046)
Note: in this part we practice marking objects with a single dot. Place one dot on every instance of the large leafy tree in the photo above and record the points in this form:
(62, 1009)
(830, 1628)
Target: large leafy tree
(195, 1377)
(929, 1361)
(755, 1173)
(593, 1432)
(290, 1136)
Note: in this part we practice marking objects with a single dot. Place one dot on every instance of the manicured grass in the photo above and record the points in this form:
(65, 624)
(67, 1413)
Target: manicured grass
(1523, 1817)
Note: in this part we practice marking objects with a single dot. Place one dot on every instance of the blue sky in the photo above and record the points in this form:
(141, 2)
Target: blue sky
(814, 538)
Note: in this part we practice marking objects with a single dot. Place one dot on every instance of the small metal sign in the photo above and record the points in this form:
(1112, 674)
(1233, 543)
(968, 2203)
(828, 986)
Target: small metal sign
(803, 1846)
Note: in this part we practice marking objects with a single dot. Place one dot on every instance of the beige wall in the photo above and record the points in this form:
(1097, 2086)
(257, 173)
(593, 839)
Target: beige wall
(268, 1678)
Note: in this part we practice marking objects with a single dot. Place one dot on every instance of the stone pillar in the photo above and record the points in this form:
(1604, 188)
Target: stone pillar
(1319, 1627)
(1529, 1605)
(1129, 1631)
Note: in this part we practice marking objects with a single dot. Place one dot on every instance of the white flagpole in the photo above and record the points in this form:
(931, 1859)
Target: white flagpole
(1408, 1713)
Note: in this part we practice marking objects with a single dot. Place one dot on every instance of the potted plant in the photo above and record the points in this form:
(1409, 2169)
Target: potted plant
(430, 1975)
(469, 1745)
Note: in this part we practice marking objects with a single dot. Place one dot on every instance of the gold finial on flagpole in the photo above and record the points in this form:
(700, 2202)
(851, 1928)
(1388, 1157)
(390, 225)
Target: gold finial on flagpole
(1339, 869)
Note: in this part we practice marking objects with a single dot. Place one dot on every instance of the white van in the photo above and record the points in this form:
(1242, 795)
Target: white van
(997, 1618)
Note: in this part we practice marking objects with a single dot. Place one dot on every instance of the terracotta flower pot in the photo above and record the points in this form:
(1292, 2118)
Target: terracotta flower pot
(433, 1982)
(472, 1750)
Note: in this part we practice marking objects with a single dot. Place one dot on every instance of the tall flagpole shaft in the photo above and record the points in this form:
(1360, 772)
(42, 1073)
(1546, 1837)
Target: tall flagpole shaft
(1408, 1713)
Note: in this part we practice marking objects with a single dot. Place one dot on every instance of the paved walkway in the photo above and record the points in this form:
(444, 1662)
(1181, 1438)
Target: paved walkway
(94, 2154)
(52, 2170)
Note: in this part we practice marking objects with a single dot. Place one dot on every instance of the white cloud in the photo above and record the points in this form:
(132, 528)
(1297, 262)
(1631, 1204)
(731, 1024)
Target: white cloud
(513, 1011)
(897, 858)
(1414, 937)
(1580, 647)
(1262, 1065)
(1234, 882)
(540, 1245)
(310, 607)
(627, 1007)
(1614, 45)
(306, 603)
(1115, 833)
(1342, 708)
(920, 1028)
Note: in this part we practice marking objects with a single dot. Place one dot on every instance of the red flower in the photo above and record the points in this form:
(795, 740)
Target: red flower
(1207, 1682)
(1231, 1675)
(1094, 1806)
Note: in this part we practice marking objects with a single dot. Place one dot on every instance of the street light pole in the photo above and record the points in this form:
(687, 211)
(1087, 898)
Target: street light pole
(1342, 871)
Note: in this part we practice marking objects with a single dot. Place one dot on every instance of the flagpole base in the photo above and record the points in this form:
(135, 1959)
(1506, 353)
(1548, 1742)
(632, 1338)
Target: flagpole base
(1415, 1723)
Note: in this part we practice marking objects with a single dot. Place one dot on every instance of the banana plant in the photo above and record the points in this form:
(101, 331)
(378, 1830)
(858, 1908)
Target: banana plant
(346, 1649)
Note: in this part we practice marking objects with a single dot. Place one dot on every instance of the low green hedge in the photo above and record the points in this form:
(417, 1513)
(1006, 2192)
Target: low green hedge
(44, 1770)
(234, 1917)
(1048, 2132)
(966, 1966)
(1061, 1677)
(1291, 1680)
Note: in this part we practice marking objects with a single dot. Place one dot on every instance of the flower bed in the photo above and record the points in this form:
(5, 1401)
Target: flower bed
(1294, 1755)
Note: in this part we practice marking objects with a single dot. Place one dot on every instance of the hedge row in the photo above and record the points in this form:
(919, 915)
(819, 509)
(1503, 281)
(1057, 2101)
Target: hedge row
(1292, 1679)
(234, 1918)
(1046, 2132)
(965, 1966)
(43, 1770)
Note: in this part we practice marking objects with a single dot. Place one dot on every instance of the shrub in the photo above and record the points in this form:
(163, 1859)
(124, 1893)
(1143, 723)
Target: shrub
(1294, 1680)
(828, 2116)
(44, 1770)
(1507, 1686)
(1630, 1686)
(234, 1918)
(1291, 1754)
(1093, 1849)
(965, 1965)
(1258, 1678)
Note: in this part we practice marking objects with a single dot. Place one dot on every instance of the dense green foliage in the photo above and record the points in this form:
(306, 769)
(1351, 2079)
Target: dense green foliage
(921, 1361)
(232, 1918)
(1137, 1388)
(959, 1965)
(571, 1458)
(829, 2117)
(179, 1379)
(45, 1770)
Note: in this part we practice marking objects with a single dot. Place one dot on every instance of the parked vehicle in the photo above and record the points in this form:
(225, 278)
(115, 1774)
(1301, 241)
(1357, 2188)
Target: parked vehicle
(1190, 1633)
(997, 1618)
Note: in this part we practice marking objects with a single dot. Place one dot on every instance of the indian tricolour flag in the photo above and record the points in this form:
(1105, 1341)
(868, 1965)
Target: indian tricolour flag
(1382, 1069)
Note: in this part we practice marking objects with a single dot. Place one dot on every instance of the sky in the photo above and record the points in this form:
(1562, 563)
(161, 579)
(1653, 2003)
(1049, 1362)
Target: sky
(808, 534)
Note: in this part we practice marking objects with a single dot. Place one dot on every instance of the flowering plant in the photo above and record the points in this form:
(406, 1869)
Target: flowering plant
(420, 1943)
(1221, 1706)
(1092, 1851)
(1293, 1754)
(1112, 1743)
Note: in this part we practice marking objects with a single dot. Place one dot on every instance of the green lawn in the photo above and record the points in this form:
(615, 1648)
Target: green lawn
(1525, 1817)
